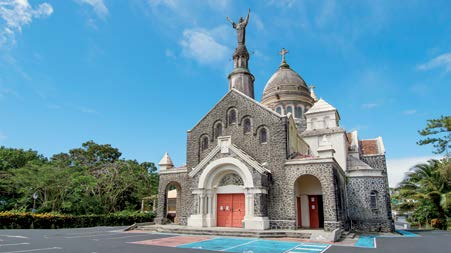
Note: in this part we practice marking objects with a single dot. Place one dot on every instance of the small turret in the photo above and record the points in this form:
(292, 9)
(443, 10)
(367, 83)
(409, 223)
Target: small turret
(166, 162)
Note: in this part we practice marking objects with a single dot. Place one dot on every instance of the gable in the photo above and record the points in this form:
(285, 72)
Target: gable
(246, 109)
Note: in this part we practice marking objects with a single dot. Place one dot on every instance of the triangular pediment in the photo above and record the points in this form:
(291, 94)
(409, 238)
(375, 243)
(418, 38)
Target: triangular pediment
(225, 146)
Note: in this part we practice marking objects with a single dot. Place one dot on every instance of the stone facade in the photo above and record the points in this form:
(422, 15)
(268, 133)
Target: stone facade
(182, 182)
(286, 156)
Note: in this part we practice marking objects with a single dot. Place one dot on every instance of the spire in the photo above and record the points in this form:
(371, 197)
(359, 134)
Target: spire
(284, 64)
(166, 162)
(241, 78)
(312, 92)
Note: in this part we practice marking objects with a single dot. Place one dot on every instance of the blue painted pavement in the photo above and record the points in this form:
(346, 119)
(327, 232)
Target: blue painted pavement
(249, 245)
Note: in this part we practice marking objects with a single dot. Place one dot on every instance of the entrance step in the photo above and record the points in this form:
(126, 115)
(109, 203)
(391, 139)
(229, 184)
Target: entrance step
(232, 232)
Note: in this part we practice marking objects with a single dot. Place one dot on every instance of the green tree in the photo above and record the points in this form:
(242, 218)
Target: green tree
(427, 184)
(93, 179)
(438, 133)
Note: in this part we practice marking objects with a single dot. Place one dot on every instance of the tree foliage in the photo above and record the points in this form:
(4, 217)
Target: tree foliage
(426, 192)
(438, 133)
(93, 179)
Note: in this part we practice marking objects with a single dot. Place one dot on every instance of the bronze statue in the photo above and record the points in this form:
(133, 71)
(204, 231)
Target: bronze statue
(240, 28)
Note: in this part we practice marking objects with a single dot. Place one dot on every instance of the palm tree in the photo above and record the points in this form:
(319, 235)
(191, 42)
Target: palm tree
(428, 184)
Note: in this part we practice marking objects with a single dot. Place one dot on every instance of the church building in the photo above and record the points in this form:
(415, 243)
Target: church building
(283, 162)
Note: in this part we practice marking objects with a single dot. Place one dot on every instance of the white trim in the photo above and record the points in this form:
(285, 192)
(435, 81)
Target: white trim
(254, 164)
(222, 165)
(172, 171)
(204, 161)
(247, 159)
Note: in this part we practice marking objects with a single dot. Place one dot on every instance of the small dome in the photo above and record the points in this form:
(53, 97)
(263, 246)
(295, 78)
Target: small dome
(286, 85)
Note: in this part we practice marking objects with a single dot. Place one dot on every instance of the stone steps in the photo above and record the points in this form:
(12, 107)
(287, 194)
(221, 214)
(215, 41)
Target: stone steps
(225, 232)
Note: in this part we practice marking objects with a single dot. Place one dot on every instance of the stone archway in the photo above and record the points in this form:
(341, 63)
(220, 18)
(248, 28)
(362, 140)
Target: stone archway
(210, 191)
(172, 202)
(308, 194)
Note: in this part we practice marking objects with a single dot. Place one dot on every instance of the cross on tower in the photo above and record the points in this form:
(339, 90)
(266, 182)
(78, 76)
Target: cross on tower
(283, 52)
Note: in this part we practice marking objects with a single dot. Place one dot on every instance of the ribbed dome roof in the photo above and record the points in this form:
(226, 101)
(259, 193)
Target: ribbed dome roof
(285, 84)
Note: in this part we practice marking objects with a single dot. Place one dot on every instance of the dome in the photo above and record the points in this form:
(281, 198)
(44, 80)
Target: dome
(286, 85)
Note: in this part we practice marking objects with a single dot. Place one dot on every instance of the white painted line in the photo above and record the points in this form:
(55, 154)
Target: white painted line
(119, 237)
(13, 244)
(15, 236)
(81, 236)
(236, 246)
(314, 245)
(86, 233)
(311, 249)
(290, 250)
(31, 250)
(326, 248)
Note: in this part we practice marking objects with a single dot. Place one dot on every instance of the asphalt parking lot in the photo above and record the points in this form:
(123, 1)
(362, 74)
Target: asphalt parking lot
(113, 239)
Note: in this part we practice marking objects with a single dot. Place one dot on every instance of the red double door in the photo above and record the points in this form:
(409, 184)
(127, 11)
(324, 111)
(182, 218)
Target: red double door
(230, 210)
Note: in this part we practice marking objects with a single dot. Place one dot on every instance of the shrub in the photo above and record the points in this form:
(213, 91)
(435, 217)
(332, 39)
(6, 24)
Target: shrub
(18, 220)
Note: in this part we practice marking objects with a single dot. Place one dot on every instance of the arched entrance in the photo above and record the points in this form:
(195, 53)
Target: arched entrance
(308, 195)
(230, 201)
(225, 196)
(172, 202)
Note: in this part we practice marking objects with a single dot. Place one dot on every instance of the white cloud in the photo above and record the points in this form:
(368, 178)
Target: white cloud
(2, 136)
(87, 110)
(282, 3)
(258, 22)
(410, 112)
(396, 168)
(201, 46)
(99, 7)
(443, 60)
(17, 13)
(369, 106)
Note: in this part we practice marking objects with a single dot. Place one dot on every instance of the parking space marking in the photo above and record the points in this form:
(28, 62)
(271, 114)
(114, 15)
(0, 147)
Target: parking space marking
(32, 250)
(14, 244)
(120, 237)
(15, 236)
(239, 245)
(83, 236)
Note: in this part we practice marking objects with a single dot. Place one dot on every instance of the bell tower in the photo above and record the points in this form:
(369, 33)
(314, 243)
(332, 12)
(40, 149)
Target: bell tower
(241, 78)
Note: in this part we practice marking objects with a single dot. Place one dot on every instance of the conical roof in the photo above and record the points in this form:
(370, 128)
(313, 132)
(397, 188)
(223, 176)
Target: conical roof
(166, 160)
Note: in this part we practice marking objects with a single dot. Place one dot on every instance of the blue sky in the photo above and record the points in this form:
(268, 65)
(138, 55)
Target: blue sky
(137, 74)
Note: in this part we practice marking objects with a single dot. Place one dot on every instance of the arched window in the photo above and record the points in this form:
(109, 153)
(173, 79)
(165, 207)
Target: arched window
(373, 200)
(232, 117)
(247, 125)
(289, 109)
(218, 130)
(204, 143)
(279, 109)
(298, 112)
(263, 135)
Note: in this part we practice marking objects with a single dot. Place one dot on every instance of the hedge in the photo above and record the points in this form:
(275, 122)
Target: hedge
(22, 220)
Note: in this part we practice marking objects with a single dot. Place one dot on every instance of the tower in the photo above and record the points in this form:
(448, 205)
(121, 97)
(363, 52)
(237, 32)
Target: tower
(241, 78)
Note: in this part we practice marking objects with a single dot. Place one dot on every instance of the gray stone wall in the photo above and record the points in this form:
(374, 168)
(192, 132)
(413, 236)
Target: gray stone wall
(327, 174)
(362, 216)
(273, 152)
(261, 205)
(184, 197)
(375, 161)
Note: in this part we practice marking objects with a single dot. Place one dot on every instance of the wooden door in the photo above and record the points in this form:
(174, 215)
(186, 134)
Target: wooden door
(299, 213)
(230, 210)
(313, 210)
(237, 210)
(223, 213)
